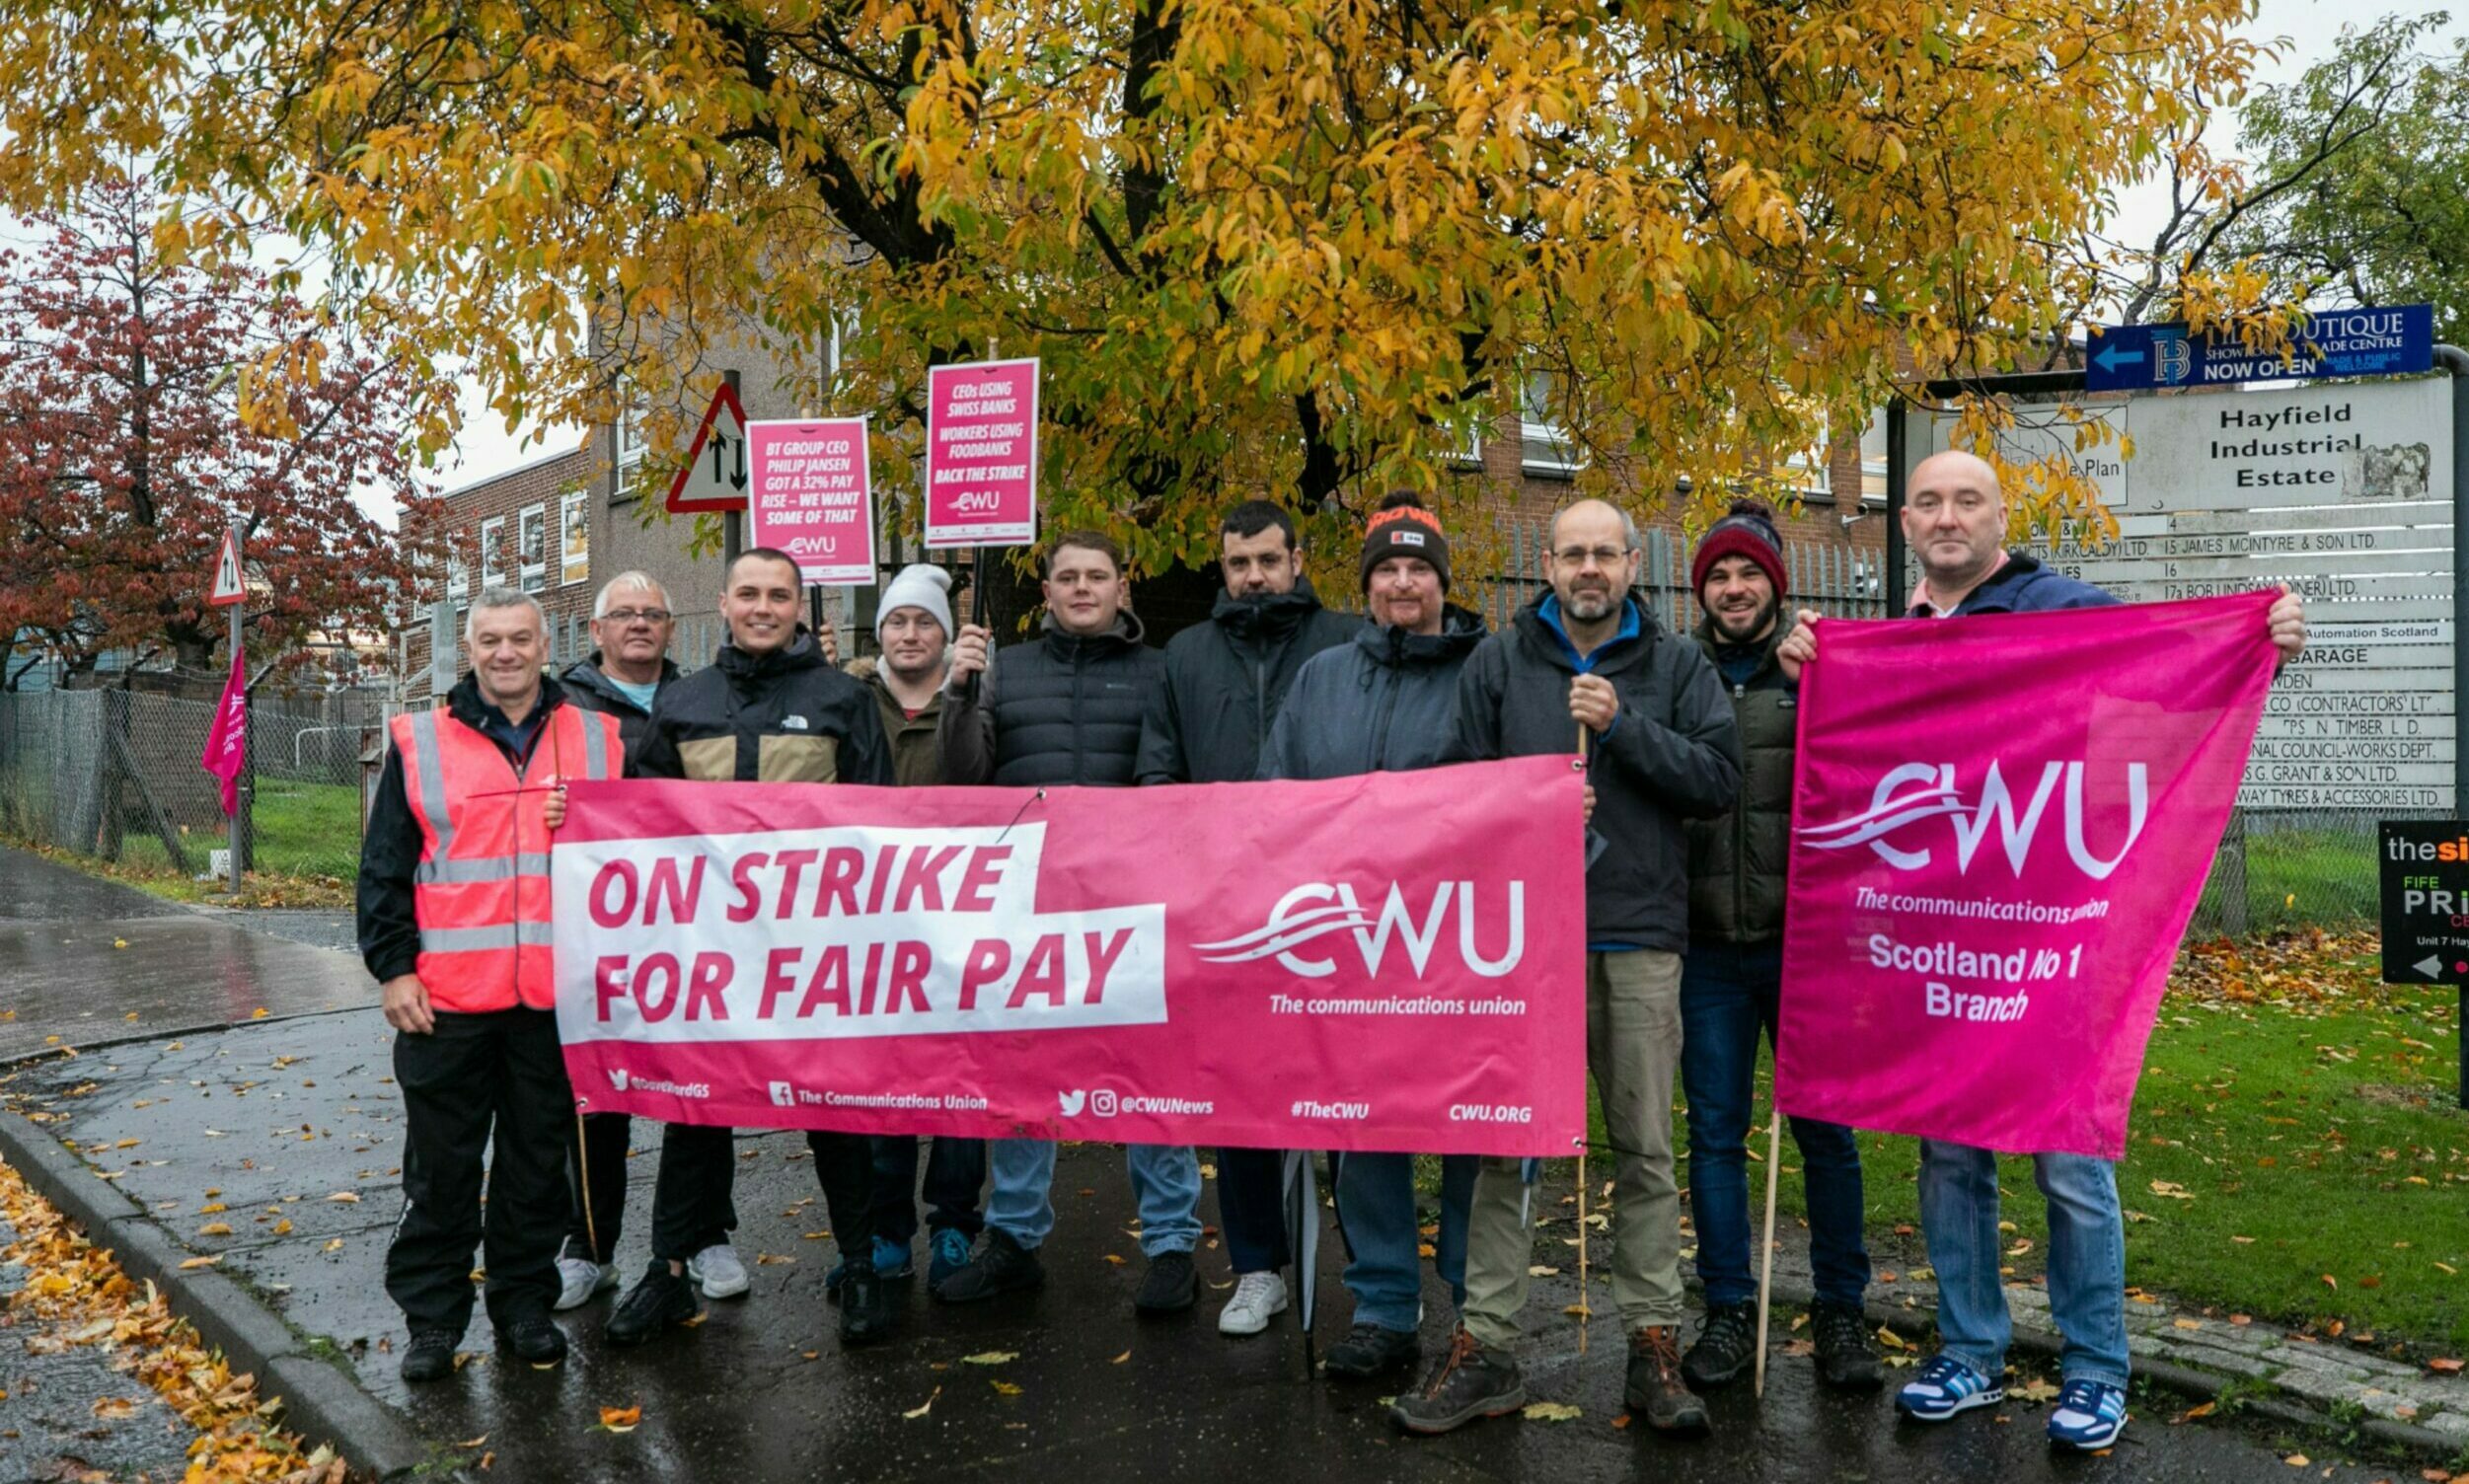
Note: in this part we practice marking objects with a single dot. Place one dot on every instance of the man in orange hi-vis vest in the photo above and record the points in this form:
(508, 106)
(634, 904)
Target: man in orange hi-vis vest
(454, 924)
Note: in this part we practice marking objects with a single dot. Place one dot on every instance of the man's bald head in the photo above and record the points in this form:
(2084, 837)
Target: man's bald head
(1595, 517)
(1955, 521)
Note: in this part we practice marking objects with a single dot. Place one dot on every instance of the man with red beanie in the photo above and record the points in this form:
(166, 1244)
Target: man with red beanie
(1732, 980)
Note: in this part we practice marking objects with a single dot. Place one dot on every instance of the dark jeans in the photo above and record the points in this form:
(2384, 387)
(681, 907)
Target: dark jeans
(1251, 1209)
(485, 1083)
(955, 1171)
(1729, 993)
(600, 1155)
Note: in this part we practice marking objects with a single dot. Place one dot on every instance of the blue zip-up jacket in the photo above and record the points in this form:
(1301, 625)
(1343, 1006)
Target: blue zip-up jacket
(1386, 703)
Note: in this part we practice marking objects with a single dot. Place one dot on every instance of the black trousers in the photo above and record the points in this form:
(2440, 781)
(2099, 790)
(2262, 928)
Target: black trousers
(692, 1208)
(486, 1084)
(596, 1179)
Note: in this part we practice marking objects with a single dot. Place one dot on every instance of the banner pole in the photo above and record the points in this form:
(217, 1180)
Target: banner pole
(1766, 1251)
(240, 809)
(1586, 1299)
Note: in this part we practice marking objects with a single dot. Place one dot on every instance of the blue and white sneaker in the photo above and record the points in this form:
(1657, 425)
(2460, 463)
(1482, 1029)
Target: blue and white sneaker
(892, 1259)
(2090, 1414)
(1944, 1388)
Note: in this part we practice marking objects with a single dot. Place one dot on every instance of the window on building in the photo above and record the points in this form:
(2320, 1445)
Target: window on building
(1873, 459)
(532, 548)
(630, 442)
(574, 536)
(1547, 447)
(492, 552)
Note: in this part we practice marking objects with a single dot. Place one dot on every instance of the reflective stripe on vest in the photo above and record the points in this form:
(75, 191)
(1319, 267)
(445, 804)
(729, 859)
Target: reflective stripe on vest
(480, 892)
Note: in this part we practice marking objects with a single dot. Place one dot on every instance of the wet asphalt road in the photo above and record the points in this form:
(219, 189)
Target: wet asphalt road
(273, 1118)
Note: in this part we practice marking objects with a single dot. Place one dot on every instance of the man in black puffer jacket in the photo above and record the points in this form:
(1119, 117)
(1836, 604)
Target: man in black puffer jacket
(1226, 684)
(768, 709)
(1065, 708)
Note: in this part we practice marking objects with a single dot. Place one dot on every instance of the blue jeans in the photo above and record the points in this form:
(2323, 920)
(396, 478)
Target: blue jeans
(1376, 1211)
(2086, 1259)
(956, 1170)
(1165, 1180)
(1729, 992)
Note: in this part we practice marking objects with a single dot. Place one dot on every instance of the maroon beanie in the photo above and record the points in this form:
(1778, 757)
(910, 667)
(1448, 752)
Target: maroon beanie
(1746, 530)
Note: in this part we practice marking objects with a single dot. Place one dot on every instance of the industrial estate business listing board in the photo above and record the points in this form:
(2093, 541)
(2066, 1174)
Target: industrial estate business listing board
(2342, 490)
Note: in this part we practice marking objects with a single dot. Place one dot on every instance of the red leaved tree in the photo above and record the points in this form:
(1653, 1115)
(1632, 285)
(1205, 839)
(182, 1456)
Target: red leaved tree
(123, 454)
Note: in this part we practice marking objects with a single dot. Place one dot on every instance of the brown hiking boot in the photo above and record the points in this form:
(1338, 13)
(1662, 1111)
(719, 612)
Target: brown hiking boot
(1466, 1381)
(1656, 1391)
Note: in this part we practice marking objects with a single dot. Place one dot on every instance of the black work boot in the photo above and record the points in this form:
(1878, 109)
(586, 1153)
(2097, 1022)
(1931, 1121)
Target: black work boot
(1468, 1382)
(1369, 1351)
(430, 1356)
(534, 1340)
(1170, 1285)
(1655, 1389)
(1724, 1348)
(658, 1300)
(866, 1308)
(1848, 1355)
(1004, 1266)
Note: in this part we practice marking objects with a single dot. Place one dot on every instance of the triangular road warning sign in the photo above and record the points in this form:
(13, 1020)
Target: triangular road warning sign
(228, 585)
(713, 476)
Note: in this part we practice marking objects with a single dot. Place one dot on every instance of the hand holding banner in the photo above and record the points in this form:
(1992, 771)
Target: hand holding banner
(2000, 827)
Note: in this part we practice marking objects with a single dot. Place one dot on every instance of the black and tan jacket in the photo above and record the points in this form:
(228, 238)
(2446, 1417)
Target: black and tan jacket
(781, 718)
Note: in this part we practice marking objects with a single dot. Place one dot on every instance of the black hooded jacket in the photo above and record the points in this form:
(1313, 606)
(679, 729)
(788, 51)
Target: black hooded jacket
(1228, 680)
(1386, 702)
(1673, 753)
(782, 716)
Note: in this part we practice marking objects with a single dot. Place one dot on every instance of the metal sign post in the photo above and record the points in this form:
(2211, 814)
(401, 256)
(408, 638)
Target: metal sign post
(239, 815)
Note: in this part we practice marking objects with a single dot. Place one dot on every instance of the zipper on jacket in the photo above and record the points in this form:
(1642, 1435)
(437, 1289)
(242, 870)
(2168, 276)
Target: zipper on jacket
(1740, 836)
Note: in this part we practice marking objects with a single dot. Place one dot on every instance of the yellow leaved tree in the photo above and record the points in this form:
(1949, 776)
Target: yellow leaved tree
(1301, 246)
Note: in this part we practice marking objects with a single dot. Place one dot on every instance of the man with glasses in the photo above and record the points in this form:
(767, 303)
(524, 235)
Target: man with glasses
(1661, 747)
(630, 624)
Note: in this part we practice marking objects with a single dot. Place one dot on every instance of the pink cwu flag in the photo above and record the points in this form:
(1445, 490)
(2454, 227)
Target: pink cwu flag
(227, 741)
(2000, 827)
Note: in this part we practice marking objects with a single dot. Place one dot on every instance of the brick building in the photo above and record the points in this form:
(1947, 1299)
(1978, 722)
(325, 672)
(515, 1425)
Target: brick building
(562, 524)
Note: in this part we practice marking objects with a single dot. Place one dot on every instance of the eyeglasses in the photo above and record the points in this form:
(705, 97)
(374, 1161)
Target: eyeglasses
(625, 616)
(1576, 556)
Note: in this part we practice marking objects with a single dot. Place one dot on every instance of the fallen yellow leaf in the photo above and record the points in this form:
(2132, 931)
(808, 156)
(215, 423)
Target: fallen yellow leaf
(991, 1358)
(620, 1419)
(1551, 1411)
(201, 1262)
(1005, 1388)
(215, 1229)
(345, 1197)
(1119, 1360)
(922, 1408)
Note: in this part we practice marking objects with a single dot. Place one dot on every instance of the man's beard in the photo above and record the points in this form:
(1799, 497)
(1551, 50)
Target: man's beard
(1758, 618)
(1592, 605)
(926, 670)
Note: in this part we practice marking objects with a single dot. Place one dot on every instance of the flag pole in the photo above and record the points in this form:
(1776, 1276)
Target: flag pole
(239, 820)
(1585, 1298)
(1766, 1251)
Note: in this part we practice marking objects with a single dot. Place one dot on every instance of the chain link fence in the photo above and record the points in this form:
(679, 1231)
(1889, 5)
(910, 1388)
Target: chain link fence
(116, 774)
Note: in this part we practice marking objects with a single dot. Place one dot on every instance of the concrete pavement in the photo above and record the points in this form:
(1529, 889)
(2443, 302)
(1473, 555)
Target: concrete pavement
(288, 1129)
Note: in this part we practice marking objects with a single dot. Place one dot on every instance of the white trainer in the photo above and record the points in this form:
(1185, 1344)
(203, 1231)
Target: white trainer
(578, 1277)
(1258, 1297)
(718, 1269)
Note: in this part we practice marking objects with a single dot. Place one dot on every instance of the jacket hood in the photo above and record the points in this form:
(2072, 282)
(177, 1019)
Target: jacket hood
(1462, 630)
(585, 675)
(1272, 615)
(1546, 642)
(744, 669)
(1126, 633)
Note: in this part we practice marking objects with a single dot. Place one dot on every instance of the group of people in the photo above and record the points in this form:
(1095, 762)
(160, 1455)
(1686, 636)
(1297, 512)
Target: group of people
(1688, 741)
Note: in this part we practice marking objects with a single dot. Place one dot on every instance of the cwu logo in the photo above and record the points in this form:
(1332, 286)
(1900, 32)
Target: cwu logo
(1317, 909)
(1890, 814)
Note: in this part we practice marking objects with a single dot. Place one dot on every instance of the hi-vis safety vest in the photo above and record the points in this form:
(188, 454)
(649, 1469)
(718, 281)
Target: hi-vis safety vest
(480, 892)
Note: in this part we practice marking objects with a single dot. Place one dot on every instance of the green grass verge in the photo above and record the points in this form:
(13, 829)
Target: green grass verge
(303, 830)
(2297, 1151)
(2301, 878)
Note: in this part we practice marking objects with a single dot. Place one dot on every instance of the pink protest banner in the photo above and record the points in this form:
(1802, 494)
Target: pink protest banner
(1277, 965)
(227, 738)
(981, 454)
(2000, 827)
(813, 496)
